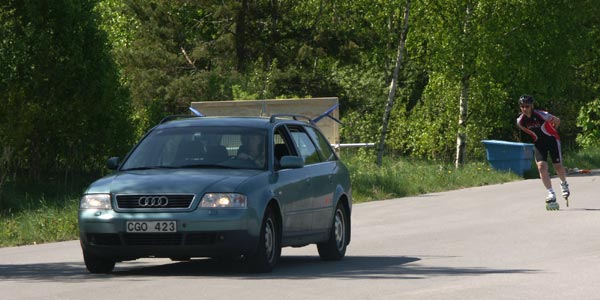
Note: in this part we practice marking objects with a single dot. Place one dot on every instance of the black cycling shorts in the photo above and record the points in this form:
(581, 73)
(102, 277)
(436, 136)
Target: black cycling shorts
(545, 146)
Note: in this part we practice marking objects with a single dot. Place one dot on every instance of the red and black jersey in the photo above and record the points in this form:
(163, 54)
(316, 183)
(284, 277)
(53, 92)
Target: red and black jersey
(538, 125)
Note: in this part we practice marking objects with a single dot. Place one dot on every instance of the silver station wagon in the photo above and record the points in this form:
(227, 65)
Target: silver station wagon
(224, 187)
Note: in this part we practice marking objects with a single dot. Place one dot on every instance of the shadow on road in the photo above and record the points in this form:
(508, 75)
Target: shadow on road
(572, 209)
(289, 267)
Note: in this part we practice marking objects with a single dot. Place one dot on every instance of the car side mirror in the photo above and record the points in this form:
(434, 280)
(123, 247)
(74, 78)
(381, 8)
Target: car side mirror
(112, 163)
(291, 162)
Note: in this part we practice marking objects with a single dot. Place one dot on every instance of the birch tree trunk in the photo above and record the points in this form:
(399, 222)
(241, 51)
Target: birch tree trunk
(393, 84)
(466, 67)
(461, 138)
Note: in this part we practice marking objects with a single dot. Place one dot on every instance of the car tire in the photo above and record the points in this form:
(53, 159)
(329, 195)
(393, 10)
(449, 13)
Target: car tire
(97, 265)
(335, 247)
(269, 245)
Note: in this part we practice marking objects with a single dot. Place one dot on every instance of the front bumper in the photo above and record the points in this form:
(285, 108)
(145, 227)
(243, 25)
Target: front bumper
(200, 233)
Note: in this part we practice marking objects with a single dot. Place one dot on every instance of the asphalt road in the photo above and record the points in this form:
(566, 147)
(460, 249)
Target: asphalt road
(493, 242)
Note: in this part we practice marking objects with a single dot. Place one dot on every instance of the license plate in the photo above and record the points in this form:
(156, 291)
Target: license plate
(152, 226)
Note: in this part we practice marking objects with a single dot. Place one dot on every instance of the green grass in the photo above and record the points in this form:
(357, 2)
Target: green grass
(39, 213)
(44, 222)
(401, 177)
(585, 159)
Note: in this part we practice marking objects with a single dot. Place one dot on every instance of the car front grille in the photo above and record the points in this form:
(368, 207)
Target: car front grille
(153, 202)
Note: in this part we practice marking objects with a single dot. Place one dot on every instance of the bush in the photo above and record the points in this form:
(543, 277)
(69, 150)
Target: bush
(589, 121)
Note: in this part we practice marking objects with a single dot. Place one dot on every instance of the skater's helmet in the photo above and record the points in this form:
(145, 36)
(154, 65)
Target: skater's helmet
(526, 100)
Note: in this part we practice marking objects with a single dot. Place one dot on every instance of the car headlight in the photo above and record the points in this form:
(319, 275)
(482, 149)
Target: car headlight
(223, 200)
(95, 201)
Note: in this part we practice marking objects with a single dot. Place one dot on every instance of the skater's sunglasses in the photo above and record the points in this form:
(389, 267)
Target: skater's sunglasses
(525, 106)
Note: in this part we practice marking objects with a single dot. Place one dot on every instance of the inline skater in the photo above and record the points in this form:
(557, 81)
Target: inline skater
(542, 127)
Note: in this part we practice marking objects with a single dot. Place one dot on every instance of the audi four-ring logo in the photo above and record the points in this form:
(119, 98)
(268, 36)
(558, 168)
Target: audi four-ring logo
(153, 201)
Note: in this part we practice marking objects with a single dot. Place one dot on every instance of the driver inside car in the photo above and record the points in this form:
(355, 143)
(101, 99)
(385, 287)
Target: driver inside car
(253, 148)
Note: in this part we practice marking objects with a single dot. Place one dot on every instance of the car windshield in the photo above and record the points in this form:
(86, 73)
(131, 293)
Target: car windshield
(200, 147)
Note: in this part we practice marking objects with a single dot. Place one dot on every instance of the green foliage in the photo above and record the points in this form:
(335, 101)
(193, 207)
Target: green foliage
(363, 90)
(62, 106)
(400, 177)
(46, 222)
(589, 122)
(586, 159)
(504, 49)
(433, 119)
(36, 211)
(80, 80)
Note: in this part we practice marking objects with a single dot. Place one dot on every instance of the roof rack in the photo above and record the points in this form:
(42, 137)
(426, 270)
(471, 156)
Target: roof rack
(293, 116)
(173, 117)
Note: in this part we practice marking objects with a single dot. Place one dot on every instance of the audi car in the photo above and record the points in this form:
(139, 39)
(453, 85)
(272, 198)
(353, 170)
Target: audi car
(223, 187)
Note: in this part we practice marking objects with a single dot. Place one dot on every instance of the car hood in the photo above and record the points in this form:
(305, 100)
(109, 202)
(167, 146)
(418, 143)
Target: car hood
(182, 181)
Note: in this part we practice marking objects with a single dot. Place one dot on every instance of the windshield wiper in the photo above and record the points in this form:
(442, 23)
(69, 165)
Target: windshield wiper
(208, 166)
(148, 168)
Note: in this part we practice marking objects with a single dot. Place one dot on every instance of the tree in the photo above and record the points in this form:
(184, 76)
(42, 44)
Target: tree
(478, 56)
(62, 105)
(394, 83)
(466, 69)
(465, 62)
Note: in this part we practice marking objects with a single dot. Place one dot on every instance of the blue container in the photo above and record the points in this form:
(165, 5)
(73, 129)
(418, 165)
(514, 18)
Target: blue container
(509, 156)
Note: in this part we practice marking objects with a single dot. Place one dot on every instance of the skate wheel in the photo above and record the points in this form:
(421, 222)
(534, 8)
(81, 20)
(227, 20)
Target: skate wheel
(552, 206)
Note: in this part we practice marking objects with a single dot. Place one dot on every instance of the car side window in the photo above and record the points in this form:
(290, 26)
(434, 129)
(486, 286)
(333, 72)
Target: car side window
(321, 143)
(307, 149)
(281, 146)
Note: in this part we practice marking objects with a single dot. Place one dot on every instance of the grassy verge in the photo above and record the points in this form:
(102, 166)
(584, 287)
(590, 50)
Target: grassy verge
(400, 177)
(47, 213)
(33, 212)
(585, 159)
(47, 222)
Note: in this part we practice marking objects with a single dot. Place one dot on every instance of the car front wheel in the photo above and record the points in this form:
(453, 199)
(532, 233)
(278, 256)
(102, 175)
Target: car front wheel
(335, 247)
(97, 265)
(269, 245)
